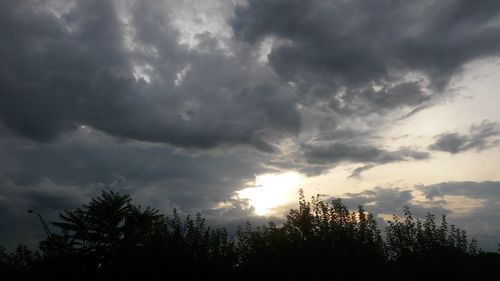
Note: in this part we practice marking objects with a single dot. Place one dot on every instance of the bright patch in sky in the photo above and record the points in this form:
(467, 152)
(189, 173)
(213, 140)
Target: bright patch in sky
(270, 191)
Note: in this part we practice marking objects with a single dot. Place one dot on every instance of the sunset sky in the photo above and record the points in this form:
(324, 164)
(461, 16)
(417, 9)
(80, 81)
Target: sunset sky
(228, 107)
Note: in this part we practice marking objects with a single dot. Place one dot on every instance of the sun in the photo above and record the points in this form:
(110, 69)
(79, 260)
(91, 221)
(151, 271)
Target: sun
(270, 191)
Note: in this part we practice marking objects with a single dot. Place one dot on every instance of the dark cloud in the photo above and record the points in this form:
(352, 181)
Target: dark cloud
(87, 67)
(359, 170)
(370, 56)
(45, 197)
(51, 177)
(94, 95)
(130, 76)
(389, 201)
(325, 152)
(49, 198)
(89, 158)
(489, 190)
(481, 221)
(337, 152)
(480, 137)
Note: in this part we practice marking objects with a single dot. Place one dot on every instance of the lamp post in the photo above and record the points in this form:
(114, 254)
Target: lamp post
(45, 226)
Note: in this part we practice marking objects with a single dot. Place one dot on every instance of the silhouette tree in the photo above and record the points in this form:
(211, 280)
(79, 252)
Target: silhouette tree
(20, 264)
(111, 238)
(317, 235)
(422, 242)
(97, 238)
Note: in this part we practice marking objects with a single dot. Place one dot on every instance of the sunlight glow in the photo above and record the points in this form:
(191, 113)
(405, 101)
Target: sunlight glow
(270, 191)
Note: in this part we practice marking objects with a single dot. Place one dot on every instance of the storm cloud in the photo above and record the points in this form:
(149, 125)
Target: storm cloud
(338, 152)
(482, 215)
(480, 137)
(85, 67)
(327, 155)
(374, 56)
(478, 213)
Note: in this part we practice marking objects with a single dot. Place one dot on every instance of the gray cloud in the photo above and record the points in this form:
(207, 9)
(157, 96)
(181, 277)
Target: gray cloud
(46, 198)
(90, 158)
(333, 153)
(478, 190)
(359, 170)
(360, 55)
(480, 137)
(480, 222)
(389, 201)
(97, 96)
(79, 68)
(51, 177)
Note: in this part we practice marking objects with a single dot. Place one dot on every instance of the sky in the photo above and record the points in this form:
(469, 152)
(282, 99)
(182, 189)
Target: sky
(228, 107)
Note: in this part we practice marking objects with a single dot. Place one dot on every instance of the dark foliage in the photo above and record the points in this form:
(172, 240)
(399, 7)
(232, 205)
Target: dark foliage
(317, 242)
(111, 238)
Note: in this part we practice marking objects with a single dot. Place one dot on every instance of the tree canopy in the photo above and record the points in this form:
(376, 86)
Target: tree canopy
(111, 238)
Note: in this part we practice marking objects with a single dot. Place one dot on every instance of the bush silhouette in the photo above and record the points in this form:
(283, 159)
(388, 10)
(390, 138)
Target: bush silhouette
(317, 235)
(111, 238)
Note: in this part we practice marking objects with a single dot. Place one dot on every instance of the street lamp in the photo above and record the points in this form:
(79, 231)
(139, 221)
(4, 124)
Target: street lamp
(45, 226)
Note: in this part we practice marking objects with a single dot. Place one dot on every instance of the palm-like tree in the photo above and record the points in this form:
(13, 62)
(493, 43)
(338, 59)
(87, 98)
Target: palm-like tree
(99, 231)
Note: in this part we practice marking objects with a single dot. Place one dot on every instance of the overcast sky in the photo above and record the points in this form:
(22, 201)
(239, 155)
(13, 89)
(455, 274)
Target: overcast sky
(228, 107)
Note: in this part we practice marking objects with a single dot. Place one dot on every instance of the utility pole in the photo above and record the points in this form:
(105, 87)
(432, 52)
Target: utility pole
(45, 226)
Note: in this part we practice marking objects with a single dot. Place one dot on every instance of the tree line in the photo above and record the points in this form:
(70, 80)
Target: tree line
(112, 238)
